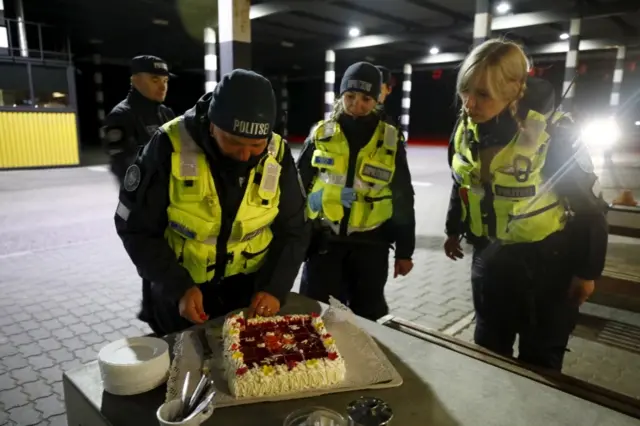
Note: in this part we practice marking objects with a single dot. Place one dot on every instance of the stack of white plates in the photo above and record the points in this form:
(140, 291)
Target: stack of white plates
(134, 365)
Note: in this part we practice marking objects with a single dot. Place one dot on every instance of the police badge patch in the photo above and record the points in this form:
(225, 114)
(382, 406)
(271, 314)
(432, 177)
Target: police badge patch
(114, 135)
(132, 178)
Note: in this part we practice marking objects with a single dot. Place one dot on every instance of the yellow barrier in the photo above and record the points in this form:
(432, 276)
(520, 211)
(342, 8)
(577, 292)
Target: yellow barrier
(38, 139)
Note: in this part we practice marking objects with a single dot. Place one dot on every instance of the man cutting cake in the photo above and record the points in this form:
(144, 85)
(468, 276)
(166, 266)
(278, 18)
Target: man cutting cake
(212, 212)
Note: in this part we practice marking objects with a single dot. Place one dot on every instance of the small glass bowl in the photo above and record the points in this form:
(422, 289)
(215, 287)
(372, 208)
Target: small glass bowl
(315, 416)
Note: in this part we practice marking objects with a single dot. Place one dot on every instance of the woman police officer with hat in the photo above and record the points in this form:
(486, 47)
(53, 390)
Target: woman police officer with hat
(360, 198)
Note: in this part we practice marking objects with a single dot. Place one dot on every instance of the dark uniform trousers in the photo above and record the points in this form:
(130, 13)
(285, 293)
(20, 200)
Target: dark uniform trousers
(219, 299)
(365, 266)
(524, 289)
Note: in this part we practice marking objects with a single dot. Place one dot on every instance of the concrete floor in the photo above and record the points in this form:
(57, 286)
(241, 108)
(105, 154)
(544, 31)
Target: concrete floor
(67, 286)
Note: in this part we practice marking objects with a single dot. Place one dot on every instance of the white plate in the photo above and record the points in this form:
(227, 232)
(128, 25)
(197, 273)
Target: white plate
(132, 352)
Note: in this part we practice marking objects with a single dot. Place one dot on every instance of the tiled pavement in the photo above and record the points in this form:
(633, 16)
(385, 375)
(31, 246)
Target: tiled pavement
(67, 287)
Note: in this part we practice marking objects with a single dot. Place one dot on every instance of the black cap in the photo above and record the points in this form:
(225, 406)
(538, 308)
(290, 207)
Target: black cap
(151, 65)
(361, 77)
(243, 104)
(387, 77)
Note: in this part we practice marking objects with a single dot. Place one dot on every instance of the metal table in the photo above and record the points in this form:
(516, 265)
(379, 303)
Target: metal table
(442, 387)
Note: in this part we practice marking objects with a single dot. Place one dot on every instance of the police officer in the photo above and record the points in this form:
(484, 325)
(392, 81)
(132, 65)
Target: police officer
(385, 90)
(355, 170)
(212, 212)
(533, 213)
(132, 122)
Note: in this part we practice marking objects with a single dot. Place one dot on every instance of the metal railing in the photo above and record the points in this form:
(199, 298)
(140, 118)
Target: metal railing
(52, 45)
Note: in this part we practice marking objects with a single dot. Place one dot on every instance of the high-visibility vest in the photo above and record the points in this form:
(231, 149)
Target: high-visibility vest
(375, 167)
(195, 214)
(525, 210)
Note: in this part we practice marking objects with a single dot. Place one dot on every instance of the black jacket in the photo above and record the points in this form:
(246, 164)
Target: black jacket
(142, 232)
(130, 125)
(381, 110)
(568, 162)
(401, 228)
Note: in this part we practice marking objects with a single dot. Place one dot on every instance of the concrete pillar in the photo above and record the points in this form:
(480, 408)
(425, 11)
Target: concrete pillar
(482, 22)
(406, 101)
(210, 60)
(234, 32)
(618, 75)
(329, 82)
(284, 92)
(4, 35)
(97, 80)
(22, 30)
(568, 89)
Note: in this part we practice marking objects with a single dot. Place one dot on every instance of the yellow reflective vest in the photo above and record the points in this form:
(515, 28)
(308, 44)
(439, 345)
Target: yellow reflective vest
(524, 209)
(195, 214)
(374, 171)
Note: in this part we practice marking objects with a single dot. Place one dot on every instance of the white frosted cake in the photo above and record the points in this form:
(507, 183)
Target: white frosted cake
(283, 354)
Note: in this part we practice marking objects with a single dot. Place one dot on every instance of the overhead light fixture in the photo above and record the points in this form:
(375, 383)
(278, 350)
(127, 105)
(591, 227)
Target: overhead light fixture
(285, 43)
(370, 58)
(564, 36)
(637, 123)
(503, 7)
(95, 41)
(58, 95)
(354, 32)
(434, 50)
(163, 22)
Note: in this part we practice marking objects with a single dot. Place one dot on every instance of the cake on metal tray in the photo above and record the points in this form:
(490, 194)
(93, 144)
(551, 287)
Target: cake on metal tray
(266, 356)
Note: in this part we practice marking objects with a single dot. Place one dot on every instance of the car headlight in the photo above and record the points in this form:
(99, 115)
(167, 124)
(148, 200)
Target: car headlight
(601, 133)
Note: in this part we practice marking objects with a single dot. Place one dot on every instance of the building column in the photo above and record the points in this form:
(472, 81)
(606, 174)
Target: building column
(210, 60)
(284, 92)
(618, 75)
(234, 32)
(482, 22)
(406, 102)
(4, 35)
(97, 80)
(329, 82)
(571, 63)
(22, 30)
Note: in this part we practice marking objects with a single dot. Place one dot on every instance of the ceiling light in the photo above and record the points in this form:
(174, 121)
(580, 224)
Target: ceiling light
(637, 123)
(354, 32)
(370, 58)
(95, 41)
(503, 7)
(434, 50)
(160, 22)
(564, 36)
(285, 43)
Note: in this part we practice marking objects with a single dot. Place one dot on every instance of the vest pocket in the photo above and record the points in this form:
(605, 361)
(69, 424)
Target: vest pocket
(197, 259)
(188, 188)
(254, 253)
(188, 225)
(370, 212)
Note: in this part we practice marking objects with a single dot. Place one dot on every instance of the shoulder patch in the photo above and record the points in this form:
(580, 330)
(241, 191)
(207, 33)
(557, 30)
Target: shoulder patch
(583, 159)
(114, 135)
(132, 178)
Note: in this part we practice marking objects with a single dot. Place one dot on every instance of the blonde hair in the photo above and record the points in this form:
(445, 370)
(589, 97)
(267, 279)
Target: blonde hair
(337, 110)
(505, 66)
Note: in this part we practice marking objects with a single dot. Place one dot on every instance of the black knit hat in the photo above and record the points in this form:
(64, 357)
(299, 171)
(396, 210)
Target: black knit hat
(361, 77)
(243, 104)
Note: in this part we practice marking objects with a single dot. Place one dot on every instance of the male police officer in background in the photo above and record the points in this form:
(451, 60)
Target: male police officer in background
(385, 90)
(132, 122)
(212, 211)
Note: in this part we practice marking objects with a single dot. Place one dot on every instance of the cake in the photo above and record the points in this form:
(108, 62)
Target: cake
(266, 356)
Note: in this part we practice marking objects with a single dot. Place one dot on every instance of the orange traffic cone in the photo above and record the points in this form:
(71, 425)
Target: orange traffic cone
(625, 199)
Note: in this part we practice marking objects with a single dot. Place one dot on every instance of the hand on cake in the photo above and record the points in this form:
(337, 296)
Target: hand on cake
(402, 267)
(191, 306)
(264, 304)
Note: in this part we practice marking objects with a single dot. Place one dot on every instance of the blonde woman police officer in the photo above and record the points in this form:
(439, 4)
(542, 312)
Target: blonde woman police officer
(355, 170)
(526, 197)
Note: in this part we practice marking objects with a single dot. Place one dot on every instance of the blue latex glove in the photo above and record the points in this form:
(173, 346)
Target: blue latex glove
(315, 201)
(347, 197)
